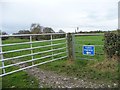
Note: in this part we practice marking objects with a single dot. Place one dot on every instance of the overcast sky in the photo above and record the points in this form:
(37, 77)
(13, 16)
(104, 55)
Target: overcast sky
(17, 15)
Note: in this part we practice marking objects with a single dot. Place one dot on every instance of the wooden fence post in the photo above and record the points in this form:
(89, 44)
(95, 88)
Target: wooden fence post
(71, 50)
(73, 47)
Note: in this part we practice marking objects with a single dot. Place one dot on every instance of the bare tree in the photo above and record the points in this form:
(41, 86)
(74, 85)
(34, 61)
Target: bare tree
(36, 29)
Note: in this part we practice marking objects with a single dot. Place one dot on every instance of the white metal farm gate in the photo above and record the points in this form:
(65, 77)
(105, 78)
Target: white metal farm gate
(3, 59)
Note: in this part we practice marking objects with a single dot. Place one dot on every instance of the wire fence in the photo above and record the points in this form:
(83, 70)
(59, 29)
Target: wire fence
(95, 40)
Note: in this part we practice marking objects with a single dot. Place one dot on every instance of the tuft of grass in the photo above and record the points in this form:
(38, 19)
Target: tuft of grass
(19, 80)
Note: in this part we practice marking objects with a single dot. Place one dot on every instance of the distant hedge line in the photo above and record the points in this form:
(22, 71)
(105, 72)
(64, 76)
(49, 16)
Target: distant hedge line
(43, 37)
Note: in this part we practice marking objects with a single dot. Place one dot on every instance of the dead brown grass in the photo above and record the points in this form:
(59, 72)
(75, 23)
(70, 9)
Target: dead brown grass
(106, 66)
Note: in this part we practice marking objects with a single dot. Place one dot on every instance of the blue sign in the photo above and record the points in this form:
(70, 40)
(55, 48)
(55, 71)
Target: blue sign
(89, 50)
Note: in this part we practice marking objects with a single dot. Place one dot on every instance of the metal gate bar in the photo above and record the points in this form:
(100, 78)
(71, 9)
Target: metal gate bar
(31, 42)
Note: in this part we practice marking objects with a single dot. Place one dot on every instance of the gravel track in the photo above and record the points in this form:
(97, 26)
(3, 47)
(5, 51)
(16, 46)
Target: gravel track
(50, 79)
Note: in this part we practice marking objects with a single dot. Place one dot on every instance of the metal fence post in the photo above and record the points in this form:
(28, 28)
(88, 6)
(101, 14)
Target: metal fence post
(71, 50)
(31, 49)
(1, 55)
(51, 45)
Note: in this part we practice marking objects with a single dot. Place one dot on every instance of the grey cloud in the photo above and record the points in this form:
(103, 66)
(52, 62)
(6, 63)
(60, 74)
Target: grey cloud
(60, 13)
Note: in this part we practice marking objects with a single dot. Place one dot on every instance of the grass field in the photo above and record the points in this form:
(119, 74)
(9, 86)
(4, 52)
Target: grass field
(14, 54)
(98, 70)
(97, 41)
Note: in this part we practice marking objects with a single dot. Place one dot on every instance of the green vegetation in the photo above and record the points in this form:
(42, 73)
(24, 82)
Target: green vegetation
(90, 40)
(97, 70)
(112, 44)
(19, 80)
(22, 75)
(16, 47)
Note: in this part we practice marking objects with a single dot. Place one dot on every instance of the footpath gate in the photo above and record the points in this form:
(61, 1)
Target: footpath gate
(87, 46)
(30, 49)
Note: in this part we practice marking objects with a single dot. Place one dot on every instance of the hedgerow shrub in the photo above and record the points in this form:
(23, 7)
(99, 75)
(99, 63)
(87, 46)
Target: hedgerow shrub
(112, 44)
